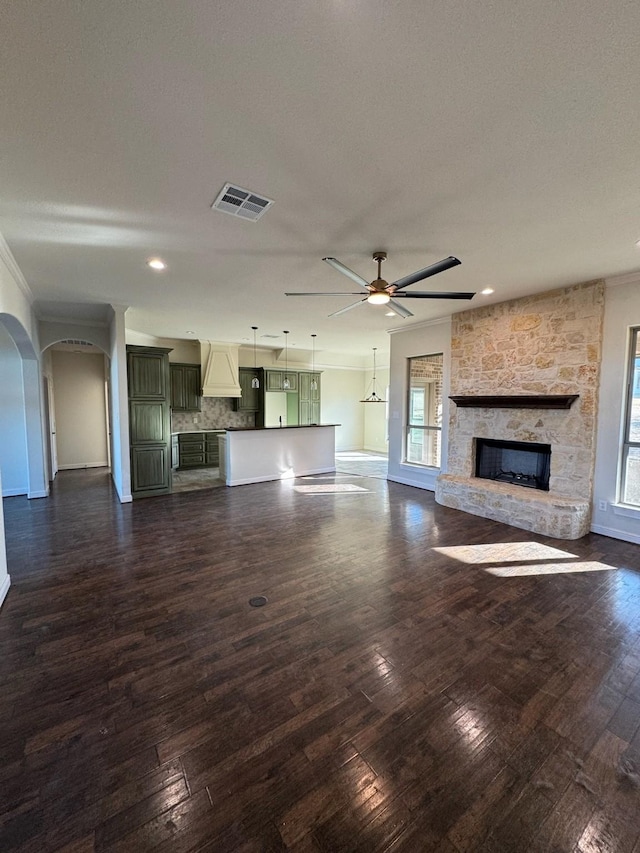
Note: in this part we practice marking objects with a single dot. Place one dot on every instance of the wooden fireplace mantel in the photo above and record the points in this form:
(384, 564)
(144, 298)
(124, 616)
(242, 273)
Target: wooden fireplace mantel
(518, 401)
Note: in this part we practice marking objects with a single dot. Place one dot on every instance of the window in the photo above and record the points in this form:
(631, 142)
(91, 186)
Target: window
(630, 486)
(424, 410)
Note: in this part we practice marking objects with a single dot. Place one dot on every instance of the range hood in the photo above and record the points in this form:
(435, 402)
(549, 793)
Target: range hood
(220, 375)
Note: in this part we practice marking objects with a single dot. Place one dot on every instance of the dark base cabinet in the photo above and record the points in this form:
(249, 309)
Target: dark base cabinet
(197, 450)
(149, 471)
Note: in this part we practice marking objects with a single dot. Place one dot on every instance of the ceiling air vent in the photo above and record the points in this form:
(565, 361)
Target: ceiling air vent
(242, 203)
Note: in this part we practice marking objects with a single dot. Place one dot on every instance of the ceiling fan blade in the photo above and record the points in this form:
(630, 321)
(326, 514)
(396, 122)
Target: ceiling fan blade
(348, 308)
(323, 293)
(433, 269)
(399, 309)
(433, 294)
(346, 271)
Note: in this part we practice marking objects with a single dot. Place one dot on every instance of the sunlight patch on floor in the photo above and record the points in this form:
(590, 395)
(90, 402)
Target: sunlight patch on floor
(548, 569)
(329, 489)
(505, 552)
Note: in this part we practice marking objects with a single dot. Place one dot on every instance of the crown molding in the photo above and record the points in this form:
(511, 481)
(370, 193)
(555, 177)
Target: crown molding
(68, 321)
(625, 278)
(6, 256)
(425, 324)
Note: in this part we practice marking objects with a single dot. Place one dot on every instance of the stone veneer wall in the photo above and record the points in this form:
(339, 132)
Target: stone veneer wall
(549, 343)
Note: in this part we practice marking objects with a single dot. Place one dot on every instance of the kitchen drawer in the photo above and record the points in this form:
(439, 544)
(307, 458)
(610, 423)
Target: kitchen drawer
(213, 458)
(191, 446)
(191, 459)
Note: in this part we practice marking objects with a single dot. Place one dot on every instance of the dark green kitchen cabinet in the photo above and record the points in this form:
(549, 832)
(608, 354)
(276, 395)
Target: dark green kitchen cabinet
(251, 399)
(308, 398)
(198, 449)
(185, 387)
(149, 420)
(275, 380)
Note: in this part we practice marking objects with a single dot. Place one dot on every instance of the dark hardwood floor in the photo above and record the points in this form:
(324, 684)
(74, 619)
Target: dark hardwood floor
(419, 680)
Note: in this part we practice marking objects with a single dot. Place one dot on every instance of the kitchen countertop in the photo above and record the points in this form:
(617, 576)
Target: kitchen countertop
(196, 431)
(293, 426)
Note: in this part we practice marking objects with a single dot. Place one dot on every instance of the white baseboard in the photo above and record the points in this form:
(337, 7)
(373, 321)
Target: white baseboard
(82, 465)
(408, 481)
(43, 493)
(269, 478)
(614, 533)
(4, 588)
(12, 493)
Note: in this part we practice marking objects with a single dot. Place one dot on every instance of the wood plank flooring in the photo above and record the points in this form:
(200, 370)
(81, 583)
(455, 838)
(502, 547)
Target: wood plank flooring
(419, 680)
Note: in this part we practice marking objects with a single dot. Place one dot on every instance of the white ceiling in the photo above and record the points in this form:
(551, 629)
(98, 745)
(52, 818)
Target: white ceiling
(505, 133)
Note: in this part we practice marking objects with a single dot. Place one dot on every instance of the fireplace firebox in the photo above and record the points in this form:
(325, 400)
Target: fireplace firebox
(521, 463)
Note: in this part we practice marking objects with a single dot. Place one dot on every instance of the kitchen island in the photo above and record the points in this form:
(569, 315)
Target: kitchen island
(259, 454)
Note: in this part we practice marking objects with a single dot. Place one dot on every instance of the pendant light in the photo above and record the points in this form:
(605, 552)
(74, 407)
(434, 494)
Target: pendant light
(286, 384)
(314, 381)
(255, 382)
(373, 397)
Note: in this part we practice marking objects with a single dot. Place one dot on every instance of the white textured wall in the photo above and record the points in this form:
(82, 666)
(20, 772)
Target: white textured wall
(81, 425)
(341, 392)
(621, 313)
(375, 414)
(13, 437)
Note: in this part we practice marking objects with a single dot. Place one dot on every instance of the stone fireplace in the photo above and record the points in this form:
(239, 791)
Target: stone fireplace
(538, 350)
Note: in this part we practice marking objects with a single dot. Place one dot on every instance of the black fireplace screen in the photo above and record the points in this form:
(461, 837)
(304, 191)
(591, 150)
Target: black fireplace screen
(523, 463)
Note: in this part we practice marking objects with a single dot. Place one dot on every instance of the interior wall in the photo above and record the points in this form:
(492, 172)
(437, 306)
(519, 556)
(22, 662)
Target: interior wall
(19, 320)
(427, 339)
(119, 397)
(5, 581)
(341, 392)
(13, 438)
(81, 418)
(621, 314)
(375, 414)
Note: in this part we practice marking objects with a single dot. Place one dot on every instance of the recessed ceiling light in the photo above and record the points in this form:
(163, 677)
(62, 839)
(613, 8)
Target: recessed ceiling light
(156, 264)
(189, 332)
(486, 291)
(390, 314)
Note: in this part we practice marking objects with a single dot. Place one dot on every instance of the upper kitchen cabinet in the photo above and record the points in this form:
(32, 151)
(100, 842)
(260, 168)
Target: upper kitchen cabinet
(309, 399)
(251, 399)
(185, 387)
(274, 380)
(147, 372)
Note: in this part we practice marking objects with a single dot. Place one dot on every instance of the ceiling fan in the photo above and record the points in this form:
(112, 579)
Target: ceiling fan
(381, 292)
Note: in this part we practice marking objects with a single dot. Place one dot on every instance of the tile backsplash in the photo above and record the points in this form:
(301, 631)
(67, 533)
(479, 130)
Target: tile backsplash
(217, 413)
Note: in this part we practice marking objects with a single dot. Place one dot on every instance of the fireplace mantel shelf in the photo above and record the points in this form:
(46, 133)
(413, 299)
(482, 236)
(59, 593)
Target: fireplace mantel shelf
(519, 401)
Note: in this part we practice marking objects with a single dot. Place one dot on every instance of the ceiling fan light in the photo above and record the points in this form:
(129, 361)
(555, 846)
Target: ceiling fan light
(378, 298)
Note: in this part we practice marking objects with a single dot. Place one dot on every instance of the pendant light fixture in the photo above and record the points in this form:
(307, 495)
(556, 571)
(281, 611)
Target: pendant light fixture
(314, 381)
(255, 382)
(286, 384)
(373, 397)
